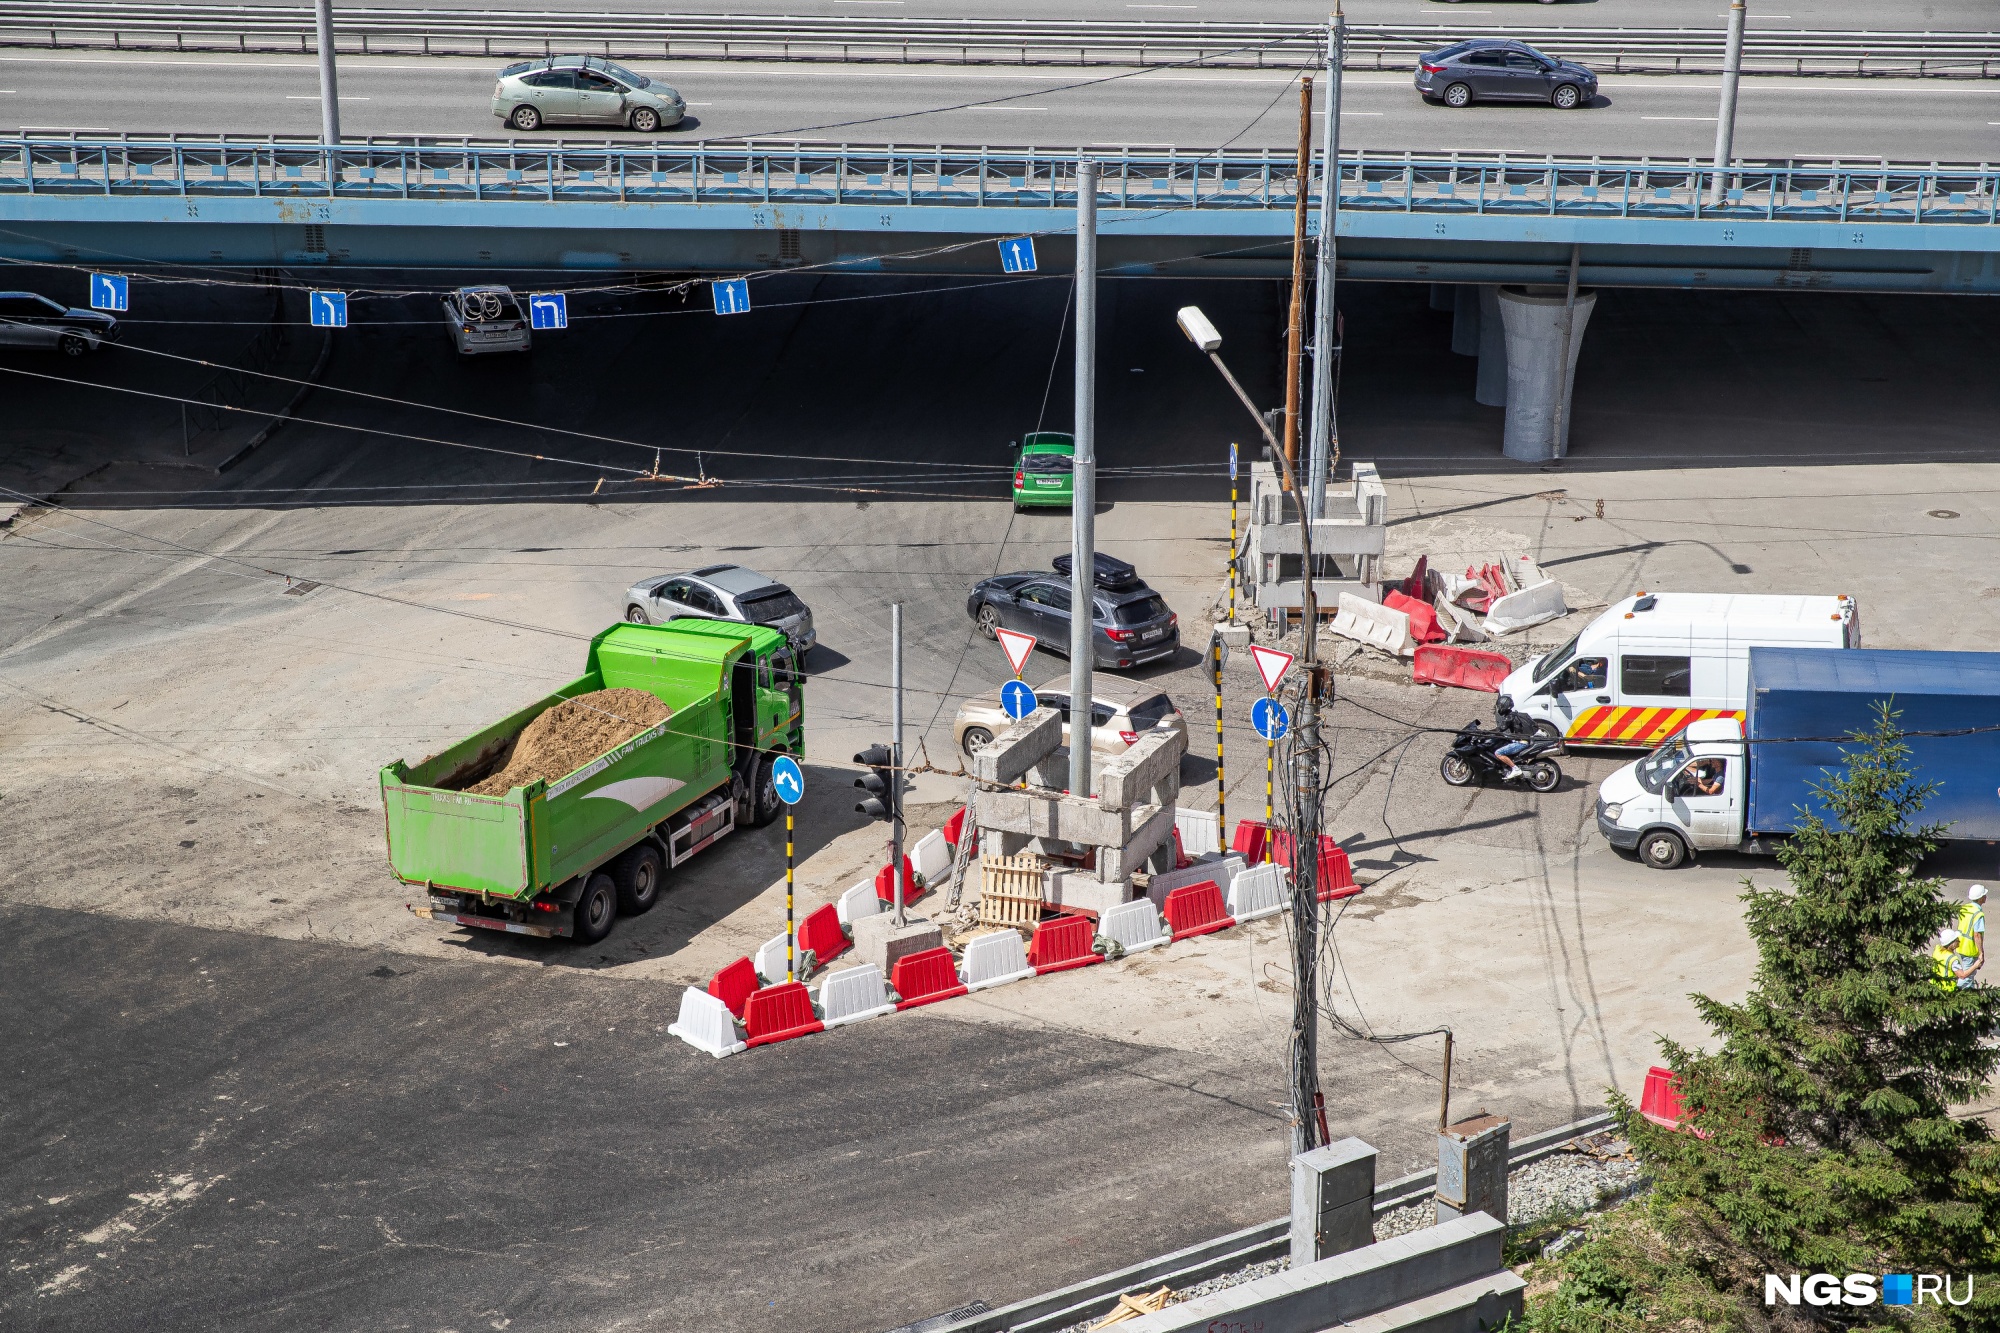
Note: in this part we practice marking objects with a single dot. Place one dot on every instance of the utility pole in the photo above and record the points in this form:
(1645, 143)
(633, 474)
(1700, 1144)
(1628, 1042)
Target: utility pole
(1295, 330)
(1323, 311)
(896, 754)
(329, 88)
(1083, 507)
(1725, 120)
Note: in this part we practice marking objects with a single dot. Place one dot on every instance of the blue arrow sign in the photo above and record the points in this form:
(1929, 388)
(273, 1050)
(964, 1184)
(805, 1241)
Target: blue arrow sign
(1270, 719)
(548, 310)
(329, 309)
(1017, 699)
(790, 782)
(1017, 254)
(731, 297)
(1232, 462)
(107, 291)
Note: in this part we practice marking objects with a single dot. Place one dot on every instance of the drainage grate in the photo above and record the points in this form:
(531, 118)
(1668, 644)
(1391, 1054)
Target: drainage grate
(938, 1323)
(300, 589)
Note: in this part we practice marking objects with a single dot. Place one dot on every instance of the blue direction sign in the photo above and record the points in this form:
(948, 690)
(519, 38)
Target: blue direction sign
(789, 781)
(548, 310)
(1017, 699)
(329, 309)
(1232, 462)
(107, 291)
(1017, 254)
(1270, 719)
(731, 297)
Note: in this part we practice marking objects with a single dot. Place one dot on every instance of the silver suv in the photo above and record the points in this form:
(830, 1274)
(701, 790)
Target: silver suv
(723, 592)
(583, 90)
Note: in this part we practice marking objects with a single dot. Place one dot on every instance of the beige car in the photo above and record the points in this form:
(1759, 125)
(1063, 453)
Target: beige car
(1119, 712)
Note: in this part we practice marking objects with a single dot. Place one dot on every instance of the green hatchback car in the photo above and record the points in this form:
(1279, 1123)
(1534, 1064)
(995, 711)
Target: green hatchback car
(1045, 475)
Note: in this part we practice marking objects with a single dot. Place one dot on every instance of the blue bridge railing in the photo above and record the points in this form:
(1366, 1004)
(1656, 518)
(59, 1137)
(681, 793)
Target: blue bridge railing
(1018, 180)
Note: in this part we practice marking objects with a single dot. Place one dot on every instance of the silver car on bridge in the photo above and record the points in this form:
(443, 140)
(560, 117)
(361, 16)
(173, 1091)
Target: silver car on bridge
(583, 90)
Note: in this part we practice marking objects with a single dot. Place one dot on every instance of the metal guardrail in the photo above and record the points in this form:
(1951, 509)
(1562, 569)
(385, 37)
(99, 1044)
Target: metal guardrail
(1022, 181)
(119, 24)
(1056, 1310)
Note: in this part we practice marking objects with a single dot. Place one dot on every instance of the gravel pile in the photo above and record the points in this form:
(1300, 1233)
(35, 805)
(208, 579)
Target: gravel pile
(1568, 1182)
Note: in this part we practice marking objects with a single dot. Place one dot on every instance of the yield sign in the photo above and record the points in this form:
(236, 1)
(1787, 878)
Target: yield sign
(1018, 646)
(1271, 665)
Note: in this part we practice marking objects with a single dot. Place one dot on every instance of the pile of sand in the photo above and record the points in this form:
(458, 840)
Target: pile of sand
(570, 735)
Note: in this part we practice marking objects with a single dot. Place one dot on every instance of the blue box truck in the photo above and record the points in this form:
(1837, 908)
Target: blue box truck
(1721, 785)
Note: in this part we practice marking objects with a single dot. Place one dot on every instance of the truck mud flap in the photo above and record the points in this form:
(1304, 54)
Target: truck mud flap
(488, 922)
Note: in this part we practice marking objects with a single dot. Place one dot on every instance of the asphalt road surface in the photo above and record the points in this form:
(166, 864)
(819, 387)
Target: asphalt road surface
(1666, 117)
(1934, 16)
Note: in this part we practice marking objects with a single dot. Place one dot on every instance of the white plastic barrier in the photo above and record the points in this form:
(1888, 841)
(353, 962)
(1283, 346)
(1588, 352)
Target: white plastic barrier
(1135, 925)
(1222, 870)
(770, 959)
(852, 994)
(1258, 892)
(994, 960)
(931, 858)
(1377, 626)
(1200, 833)
(1530, 606)
(859, 901)
(705, 1024)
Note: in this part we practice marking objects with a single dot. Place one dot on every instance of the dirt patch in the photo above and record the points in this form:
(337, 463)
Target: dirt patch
(570, 735)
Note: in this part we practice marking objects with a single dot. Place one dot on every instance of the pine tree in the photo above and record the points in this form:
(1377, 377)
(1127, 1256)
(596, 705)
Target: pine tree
(1823, 1135)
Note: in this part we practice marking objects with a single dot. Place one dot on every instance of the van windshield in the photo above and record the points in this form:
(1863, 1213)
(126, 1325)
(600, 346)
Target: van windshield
(1556, 660)
(1659, 767)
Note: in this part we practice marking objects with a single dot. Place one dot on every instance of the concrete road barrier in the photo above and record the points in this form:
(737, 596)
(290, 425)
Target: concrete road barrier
(706, 1024)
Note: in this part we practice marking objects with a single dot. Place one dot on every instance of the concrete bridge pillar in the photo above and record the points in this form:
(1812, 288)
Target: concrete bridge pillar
(1536, 375)
(1465, 320)
(1491, 388)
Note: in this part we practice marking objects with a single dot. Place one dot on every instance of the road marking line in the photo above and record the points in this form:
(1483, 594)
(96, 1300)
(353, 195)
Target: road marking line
(1710, 119)
(992, 108)
(66, 129)
(314, 97)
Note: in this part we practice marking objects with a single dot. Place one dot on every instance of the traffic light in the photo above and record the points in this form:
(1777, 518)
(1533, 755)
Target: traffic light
(883, 784)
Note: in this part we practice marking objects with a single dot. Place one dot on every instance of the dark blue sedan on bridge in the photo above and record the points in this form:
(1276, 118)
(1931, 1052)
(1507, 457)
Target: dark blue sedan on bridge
(1486, 69)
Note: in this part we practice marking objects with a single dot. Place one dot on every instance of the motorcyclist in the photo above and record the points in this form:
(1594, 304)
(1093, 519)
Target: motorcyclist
(1520, 729)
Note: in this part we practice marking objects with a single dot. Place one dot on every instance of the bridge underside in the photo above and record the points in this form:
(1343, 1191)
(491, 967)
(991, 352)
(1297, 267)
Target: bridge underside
(733, 239)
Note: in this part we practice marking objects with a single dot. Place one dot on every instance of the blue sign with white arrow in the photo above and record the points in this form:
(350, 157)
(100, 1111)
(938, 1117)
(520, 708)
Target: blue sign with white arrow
(1270, 719)
(789, 781)
(329, 309)
(107, 291)
(1016, 699)
(1232, 462)
(548, 310)
(1017, 254)
(731, 297)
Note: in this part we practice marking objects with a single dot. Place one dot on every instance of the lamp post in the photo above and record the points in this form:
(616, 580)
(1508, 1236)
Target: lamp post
(1725, 120)
(329, 89)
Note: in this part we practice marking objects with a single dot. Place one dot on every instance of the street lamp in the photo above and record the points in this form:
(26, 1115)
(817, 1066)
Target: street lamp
(1201, 331)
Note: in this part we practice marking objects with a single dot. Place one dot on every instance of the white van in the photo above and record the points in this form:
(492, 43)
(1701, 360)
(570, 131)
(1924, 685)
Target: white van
(1655, 662)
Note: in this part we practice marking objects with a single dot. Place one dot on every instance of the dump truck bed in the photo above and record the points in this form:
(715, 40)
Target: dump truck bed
(536, 836)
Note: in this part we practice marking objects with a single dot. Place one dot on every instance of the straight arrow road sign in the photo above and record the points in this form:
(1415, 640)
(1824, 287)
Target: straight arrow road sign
(1271, 665)
(1017, 646)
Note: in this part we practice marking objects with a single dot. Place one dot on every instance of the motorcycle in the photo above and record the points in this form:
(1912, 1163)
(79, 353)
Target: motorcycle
(1471, 758)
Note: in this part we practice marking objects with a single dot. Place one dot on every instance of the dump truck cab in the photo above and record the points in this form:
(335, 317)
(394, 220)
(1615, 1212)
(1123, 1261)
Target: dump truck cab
(764, 703)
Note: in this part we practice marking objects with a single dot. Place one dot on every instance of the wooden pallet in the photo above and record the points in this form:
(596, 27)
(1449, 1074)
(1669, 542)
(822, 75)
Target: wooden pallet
(1011, 890)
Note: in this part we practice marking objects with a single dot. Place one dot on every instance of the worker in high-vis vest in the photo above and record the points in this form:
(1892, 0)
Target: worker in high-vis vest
(1971, 927)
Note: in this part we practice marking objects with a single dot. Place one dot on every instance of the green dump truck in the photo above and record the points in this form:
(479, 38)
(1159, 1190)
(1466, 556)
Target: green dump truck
(566, 857)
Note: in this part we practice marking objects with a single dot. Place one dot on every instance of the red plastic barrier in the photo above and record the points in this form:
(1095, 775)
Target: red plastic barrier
(1660, 1102)
(1252, 841)
(954, 825)
(1336, 872)
(779, 1013)
(821, 933)
(1423, 620)
(1414, 585)
(733, 984)
(1181, 858)
(1197, 909)
(1467, 668)
(1062, 944)
(925, 978)
(885, 883)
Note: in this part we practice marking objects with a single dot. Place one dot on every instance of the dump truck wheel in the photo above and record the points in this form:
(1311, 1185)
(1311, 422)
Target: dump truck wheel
(596, 909)
(638, 874)
(764, 803)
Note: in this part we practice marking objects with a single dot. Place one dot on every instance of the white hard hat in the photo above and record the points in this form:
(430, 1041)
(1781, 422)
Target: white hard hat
(1977, 893)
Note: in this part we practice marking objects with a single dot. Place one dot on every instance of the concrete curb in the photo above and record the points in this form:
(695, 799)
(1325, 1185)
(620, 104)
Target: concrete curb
(285, 413)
